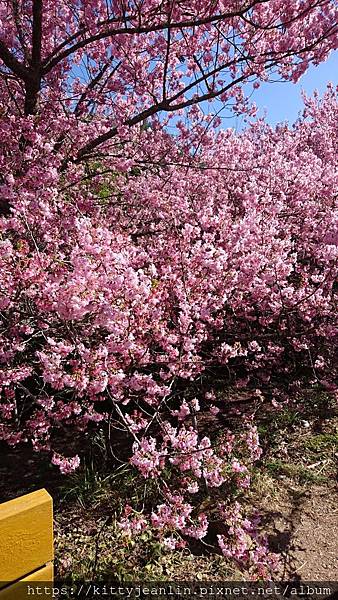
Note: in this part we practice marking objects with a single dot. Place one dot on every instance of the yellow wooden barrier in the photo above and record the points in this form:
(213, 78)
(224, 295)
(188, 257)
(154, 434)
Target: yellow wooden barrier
(26, 543)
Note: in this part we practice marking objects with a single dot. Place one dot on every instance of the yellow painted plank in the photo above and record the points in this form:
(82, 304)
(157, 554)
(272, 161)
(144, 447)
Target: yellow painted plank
(26, 535)
(23, 590)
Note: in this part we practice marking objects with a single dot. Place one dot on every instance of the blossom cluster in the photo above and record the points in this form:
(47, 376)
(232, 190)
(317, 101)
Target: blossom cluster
(244, 543)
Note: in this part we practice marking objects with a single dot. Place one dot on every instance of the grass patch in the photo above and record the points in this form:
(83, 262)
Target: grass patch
(298, 473)
(323, 443)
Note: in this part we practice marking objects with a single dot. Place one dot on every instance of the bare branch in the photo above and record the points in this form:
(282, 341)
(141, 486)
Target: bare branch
(34, 84)
(93, 83)
(15, 8)
(36, 34)
(12, 63)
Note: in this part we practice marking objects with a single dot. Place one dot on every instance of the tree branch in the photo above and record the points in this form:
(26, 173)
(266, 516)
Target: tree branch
(50, 62)
(36, 34)
(15, 8)
(92, 84)
(12, 63)
(34, 84)
(105, 137)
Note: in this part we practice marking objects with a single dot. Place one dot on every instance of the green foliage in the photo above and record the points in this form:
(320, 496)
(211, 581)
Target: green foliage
(322, 443)
(298, 473)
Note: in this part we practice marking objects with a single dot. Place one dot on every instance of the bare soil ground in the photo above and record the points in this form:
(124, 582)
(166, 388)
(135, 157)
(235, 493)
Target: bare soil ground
(303, 528)
(312, 552)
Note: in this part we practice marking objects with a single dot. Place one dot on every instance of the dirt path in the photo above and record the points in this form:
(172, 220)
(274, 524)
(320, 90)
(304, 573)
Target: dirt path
(305, 531)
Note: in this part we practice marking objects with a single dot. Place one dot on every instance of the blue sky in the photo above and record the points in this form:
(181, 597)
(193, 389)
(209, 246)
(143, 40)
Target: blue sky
(282, 101)
(278, 101)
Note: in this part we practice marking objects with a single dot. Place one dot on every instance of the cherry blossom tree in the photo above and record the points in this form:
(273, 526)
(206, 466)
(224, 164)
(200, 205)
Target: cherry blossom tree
(98, 67)
(144, 272)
